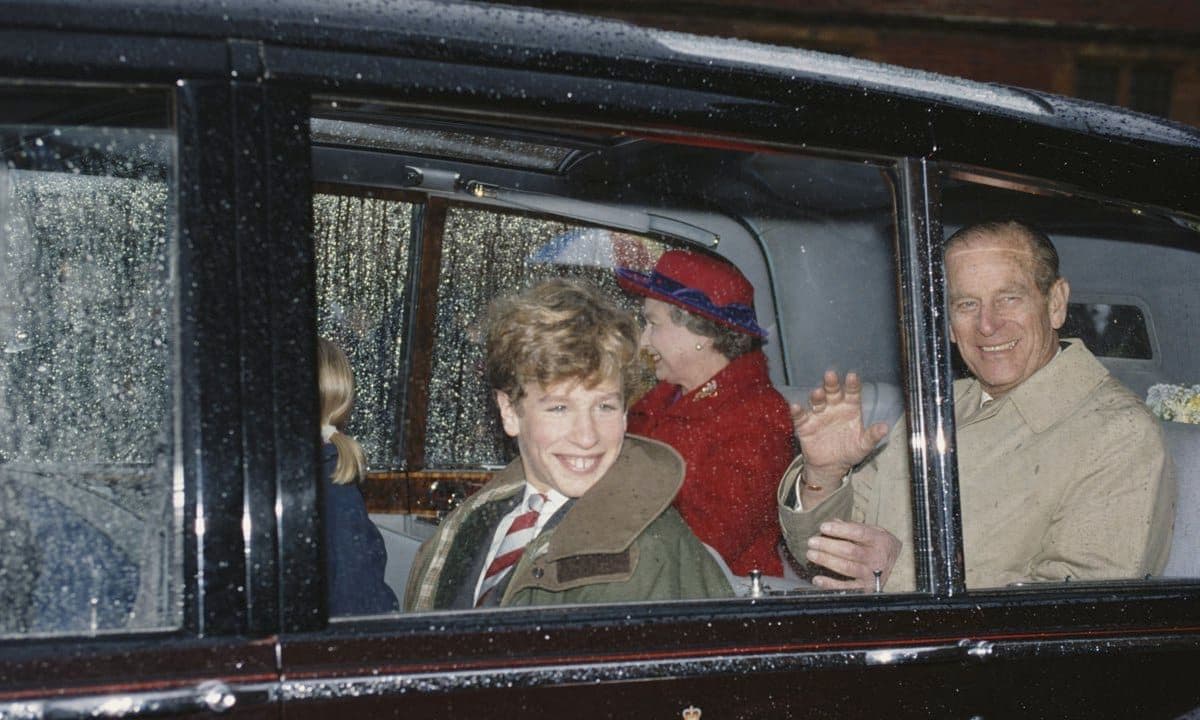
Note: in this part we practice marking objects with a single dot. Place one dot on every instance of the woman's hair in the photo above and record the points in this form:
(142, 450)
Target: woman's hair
(336, 380)
(729, 343)
(559, 330)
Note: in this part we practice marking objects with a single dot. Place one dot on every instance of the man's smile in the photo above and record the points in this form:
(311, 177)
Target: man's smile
(998, 348)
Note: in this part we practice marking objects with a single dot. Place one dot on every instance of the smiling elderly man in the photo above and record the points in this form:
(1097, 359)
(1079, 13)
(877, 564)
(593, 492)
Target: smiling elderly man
(1063, 472)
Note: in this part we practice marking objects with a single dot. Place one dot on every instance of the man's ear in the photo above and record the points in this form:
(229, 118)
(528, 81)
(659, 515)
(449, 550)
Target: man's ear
(1056, 304)
(508, 414)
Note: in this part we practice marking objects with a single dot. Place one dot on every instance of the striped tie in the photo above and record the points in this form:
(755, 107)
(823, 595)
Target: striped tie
(511, 548)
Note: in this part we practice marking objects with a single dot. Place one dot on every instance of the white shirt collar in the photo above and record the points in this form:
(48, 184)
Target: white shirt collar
(554, 501)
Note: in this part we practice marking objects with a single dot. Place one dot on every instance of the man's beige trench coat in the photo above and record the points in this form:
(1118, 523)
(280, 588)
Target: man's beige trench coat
(1066, 476)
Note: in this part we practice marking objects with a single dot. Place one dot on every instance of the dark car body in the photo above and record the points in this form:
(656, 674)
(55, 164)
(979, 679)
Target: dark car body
(247, 633)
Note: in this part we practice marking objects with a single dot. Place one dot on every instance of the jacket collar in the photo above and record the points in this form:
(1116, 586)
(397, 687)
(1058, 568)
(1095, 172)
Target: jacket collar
(1049, 395)
(639, 486)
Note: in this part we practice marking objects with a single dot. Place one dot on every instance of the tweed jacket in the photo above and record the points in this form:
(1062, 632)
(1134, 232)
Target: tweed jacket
(736, 435)
(620, 542)
(1066, 476)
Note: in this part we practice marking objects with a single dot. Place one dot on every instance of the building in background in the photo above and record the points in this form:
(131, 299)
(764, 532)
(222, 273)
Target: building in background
(1145, 56)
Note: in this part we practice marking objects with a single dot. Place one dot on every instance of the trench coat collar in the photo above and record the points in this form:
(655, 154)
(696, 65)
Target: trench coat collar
(1049, 395)
(639, 486)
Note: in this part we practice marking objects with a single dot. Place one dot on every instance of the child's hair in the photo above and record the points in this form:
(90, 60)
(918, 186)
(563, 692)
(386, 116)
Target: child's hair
(559, 330)
(336, 381)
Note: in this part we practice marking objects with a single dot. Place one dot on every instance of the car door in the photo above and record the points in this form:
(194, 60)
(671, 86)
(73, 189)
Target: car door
(413, 161)
(1129, 268)
(443, 205)
(139, 577)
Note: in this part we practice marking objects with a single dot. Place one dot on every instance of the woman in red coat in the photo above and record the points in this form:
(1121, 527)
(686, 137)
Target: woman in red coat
(714, 403)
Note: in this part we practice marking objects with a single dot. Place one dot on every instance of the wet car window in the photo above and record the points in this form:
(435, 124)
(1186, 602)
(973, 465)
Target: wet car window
(363, 247)
(90, 540)
(811, 237)
(1114, 330)
(1089, 445)
(488, 254)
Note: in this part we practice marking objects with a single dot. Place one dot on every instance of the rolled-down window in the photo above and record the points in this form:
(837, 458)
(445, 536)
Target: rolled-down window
(746, 275)
(1078, 403)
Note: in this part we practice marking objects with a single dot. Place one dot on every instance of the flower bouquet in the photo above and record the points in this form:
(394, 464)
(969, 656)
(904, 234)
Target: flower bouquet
(1178, 403)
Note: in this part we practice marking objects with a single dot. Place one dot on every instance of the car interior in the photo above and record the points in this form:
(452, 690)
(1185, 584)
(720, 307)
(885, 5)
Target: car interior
(815, 234)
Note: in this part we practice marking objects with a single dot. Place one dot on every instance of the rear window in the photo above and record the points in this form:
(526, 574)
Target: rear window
(1110, 330)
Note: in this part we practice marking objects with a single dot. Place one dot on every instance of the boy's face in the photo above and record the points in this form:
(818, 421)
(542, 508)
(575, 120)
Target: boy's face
(569, 435)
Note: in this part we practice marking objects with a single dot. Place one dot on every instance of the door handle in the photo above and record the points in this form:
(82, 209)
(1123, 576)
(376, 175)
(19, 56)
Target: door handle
(211, 696)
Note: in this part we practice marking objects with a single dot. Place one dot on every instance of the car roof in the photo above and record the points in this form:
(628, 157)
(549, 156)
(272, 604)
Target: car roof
(552, 35)
(514, 38)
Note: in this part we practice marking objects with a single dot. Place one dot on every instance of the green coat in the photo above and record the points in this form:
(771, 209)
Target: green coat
(620, 542)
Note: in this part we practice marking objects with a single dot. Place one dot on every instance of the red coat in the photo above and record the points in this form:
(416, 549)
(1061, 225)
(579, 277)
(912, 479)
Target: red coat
(737, 442)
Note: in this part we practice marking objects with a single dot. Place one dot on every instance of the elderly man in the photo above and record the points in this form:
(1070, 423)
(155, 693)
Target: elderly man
(1063, 472)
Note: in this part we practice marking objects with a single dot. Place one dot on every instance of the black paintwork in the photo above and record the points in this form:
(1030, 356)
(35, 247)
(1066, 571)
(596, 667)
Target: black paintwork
(211, 405)
(479, 54)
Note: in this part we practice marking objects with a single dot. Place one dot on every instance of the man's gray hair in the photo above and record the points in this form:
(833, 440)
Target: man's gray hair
(1045, 255)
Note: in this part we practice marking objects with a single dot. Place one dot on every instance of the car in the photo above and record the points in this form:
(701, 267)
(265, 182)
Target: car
(193, 192)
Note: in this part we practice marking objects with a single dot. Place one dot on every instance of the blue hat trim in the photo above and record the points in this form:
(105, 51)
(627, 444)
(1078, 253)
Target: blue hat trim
(735, 315)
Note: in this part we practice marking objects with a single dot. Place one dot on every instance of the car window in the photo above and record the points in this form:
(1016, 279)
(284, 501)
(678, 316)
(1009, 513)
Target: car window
(1082, 467)
(489, 253)
(363, 244)
(813, 237)
(1110, 329)
(364, 251)
(89, 535)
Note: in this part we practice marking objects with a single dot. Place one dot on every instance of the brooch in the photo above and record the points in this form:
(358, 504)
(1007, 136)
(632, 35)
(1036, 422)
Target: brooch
(707, 390)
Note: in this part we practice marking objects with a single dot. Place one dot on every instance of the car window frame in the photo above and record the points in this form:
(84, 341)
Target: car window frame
(982, 176)
(218, 636)
(910, 194)
(940, 571)
(694, 640)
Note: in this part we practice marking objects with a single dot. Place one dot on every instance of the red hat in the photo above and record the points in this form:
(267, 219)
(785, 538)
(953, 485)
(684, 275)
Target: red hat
(700, 284)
